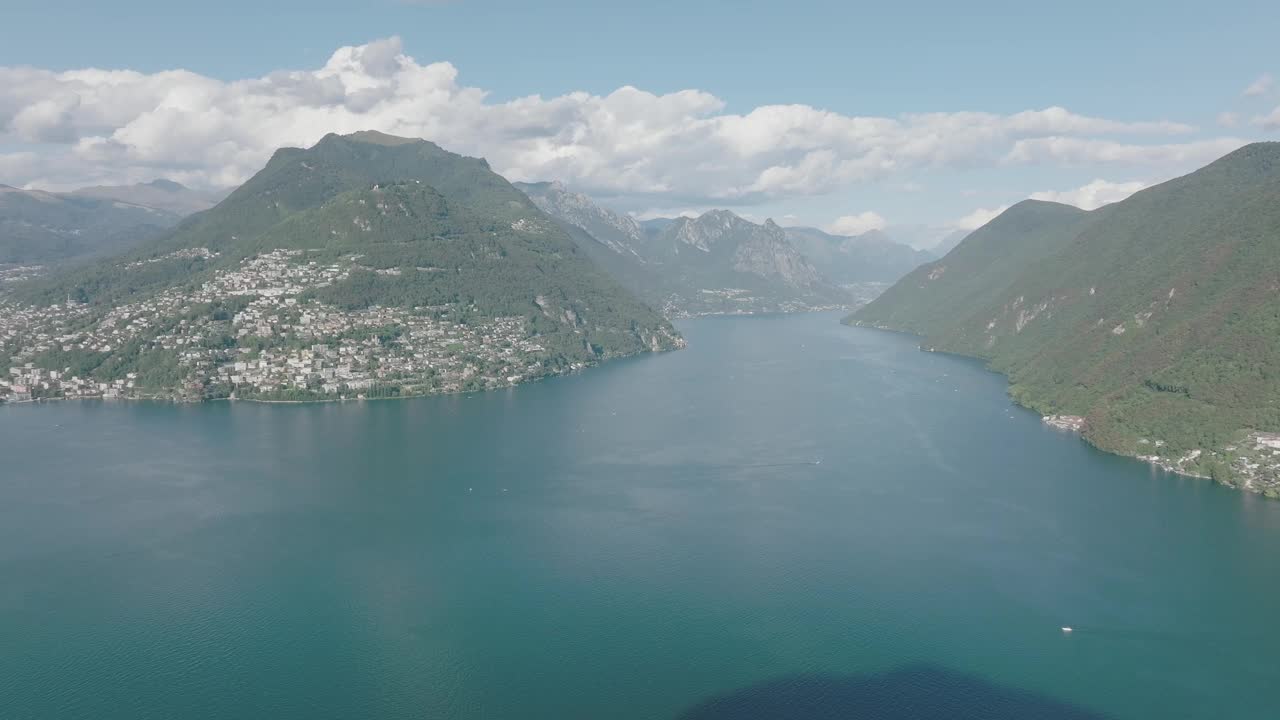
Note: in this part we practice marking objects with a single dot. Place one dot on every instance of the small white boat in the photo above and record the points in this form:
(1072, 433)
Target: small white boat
(1067, 631)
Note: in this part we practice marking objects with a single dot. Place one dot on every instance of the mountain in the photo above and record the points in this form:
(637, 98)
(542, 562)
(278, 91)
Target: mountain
(715, 263)
(38, 227)
(870, 257)
(935, 239)
(620, 233)
(653, 226)
(976, 273)
(719, 262)
(366, 263)
(166, 195)
(1156, 319)
(947, 242)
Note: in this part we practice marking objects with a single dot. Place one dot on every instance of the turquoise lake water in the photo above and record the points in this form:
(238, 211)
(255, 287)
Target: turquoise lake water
(788, 519)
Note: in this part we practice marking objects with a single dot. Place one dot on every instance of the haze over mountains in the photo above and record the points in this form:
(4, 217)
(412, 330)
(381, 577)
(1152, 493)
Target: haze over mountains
(42, 227)
(870, 257)
(720, 262)
(161, 194)
(1157, 318)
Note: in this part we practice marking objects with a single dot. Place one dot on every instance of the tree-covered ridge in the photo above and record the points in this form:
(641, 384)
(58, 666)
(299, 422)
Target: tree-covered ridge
(977, 272)
(1157, 318)
(354, 231)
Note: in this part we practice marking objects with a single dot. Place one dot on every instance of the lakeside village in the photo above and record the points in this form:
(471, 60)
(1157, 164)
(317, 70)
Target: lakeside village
(1254, 460)
(248, 334)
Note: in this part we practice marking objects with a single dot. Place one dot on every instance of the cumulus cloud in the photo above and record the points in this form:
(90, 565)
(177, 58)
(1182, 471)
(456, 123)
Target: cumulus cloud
(673, 150)
(1258, 87)
(1092, 195)
(1269, 122)
(856, 224)
(1093, 151)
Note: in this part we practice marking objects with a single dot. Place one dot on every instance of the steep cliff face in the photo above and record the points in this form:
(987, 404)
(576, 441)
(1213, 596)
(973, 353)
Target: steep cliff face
(620, 233)
(761, 250)
(766, 252)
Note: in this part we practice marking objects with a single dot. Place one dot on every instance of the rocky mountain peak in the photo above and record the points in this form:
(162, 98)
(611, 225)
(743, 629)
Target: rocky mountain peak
(616, 231)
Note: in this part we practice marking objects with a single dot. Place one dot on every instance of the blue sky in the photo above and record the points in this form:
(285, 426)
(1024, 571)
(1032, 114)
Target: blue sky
(1123, 62)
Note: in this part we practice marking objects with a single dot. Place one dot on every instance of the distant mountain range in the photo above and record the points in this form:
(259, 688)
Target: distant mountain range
(720, 262)
(366, 264)
(1156, 319)
(38, 227)
(166, 195)
(870, 257)
(935, 239)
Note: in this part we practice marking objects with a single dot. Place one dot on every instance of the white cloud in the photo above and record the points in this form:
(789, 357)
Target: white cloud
(676, 150)
(1228, 119)
(977, 218)
(856, 224)
(1269, 122)
(1092, 195)
(1093, 151)
(1258, 87)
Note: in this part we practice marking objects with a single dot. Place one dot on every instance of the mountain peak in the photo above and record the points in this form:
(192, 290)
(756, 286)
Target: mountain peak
(1263, 150)
(374, 137)
(1034, 212)
(1030, 204)
(719, 214)
(876, 236)
(166, 185)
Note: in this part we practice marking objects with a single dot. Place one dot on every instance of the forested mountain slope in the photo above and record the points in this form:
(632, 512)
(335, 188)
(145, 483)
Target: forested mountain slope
(461, 280)
(1156, 318)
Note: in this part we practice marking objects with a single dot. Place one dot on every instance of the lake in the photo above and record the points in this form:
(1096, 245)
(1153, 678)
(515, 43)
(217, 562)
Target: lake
(788, 519)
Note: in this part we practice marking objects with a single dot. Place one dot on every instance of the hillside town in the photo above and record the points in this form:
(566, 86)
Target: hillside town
(248, 332)
(17, 273)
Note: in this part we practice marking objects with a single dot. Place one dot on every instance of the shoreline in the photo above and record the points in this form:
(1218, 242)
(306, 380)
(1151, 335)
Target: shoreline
(327, 400)
(1048, 420)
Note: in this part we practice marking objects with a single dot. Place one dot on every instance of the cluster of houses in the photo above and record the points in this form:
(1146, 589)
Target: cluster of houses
(734, 301)
(16, 273)
(274, 340)
(1258, 461)
(29, 382)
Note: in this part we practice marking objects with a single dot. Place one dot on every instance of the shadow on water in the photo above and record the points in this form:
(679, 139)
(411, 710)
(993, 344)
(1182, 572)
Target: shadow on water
(915, 692)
